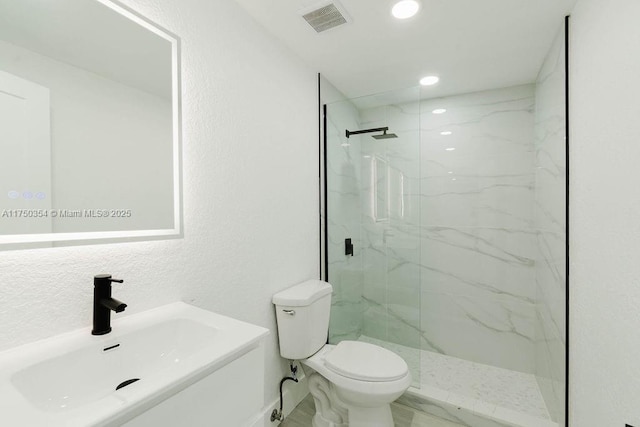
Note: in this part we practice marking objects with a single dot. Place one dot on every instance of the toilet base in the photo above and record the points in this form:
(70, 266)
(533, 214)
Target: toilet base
(331, 411)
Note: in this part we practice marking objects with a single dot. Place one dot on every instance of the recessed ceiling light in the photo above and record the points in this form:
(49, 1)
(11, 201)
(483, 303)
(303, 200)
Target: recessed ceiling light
(405, 9)
(439, 111)
(429, 80)
(446, 133)
(450, 149)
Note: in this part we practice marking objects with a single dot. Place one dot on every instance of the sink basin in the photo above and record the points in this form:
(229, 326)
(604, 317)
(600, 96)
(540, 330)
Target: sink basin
(91, 373)
(82, 379)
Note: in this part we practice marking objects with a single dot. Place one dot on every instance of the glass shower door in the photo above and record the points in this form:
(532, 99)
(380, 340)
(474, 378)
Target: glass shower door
(373, 200)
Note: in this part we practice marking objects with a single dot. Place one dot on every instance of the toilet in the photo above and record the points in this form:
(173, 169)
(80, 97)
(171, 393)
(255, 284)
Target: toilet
(352, 383)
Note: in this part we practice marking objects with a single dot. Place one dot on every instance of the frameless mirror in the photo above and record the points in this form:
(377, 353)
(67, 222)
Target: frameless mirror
(89, 124)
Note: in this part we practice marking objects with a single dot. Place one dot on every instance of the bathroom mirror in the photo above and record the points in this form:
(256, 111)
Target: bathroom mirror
(89, 124)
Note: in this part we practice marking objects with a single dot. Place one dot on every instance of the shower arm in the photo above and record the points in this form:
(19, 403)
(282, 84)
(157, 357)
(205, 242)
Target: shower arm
(357, 132)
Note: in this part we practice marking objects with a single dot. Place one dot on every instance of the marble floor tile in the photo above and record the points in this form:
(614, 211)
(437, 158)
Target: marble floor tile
(402, 415)
(512, 390)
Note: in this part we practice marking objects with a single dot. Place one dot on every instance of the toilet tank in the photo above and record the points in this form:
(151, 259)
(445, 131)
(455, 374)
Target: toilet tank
(302, 313)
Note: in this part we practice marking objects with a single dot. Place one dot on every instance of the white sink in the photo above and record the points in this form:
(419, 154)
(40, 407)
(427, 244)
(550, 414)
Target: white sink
(71, 379)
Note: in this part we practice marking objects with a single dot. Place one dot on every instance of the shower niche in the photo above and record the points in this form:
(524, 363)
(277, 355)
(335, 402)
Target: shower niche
(459, 236)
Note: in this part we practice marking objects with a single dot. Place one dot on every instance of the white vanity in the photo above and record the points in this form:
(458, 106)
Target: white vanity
(176, 365)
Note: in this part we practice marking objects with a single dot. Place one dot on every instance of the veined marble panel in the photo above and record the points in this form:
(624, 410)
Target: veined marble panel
(491, 332)
(480, 262)
(478, 242)
(343, 207)
(470, 201)
(482, 123)
(549, 204)
(392, 284)
(551, 278)
(393, 323)
(550, 223)
(550, 363)
(446, 239)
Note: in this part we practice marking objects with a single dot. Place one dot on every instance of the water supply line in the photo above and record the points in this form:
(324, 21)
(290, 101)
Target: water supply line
(277, 415)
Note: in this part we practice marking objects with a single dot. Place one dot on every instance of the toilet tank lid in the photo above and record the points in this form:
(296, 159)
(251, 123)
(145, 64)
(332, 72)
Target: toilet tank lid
(303, 294)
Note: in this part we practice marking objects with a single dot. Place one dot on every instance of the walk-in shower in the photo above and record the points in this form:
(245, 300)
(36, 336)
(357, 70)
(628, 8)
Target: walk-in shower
(458, 233)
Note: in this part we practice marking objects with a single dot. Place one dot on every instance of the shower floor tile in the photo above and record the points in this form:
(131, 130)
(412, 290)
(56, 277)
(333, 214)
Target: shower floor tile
(502, 387)
(492, 390)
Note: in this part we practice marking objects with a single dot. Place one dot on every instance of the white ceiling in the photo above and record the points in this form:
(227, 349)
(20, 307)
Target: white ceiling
(471, 44)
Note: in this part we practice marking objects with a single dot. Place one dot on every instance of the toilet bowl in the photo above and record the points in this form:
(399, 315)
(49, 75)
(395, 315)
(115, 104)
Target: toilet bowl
(362, 379)
(352, 383)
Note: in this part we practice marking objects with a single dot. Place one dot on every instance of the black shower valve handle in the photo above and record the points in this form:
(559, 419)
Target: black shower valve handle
(348, 247)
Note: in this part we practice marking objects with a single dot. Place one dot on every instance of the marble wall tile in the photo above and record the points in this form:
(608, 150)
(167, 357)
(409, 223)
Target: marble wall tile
(449, 263)
(343, 208)
(390, 177)
(549, 214)
(492, 332)
(551, 278)
(550, 365)
(481, 262)
(478, 244)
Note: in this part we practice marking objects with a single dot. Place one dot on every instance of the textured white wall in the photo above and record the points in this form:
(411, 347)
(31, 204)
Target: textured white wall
(250, 194)
(604, 220)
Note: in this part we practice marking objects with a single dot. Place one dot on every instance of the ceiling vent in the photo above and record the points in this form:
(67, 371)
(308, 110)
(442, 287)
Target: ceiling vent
(324, 16)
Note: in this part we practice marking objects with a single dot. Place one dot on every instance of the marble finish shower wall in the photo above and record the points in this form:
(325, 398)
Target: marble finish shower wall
(443, 225)
(344, 208)
(390, 175)
(476, 226)
(550, 225)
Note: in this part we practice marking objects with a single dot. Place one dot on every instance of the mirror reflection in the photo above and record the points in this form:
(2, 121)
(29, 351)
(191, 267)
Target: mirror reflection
(87, 122)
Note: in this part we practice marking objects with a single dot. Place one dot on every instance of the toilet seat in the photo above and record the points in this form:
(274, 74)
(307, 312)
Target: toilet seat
(317, 363)
(365, 362)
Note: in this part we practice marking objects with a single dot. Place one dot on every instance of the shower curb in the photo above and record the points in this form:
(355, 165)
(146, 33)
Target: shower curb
(468, 411)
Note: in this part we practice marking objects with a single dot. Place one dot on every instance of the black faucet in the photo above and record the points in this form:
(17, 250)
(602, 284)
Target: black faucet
(103, 304)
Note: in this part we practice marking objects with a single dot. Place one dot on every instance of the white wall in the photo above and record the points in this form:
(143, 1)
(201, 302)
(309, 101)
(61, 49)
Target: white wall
(250, 194)
(604, 214)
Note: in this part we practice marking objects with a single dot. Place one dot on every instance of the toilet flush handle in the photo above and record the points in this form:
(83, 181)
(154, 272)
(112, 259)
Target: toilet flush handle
(289, 312)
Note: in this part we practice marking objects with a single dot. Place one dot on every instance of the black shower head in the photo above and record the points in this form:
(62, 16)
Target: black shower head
(385, 135)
